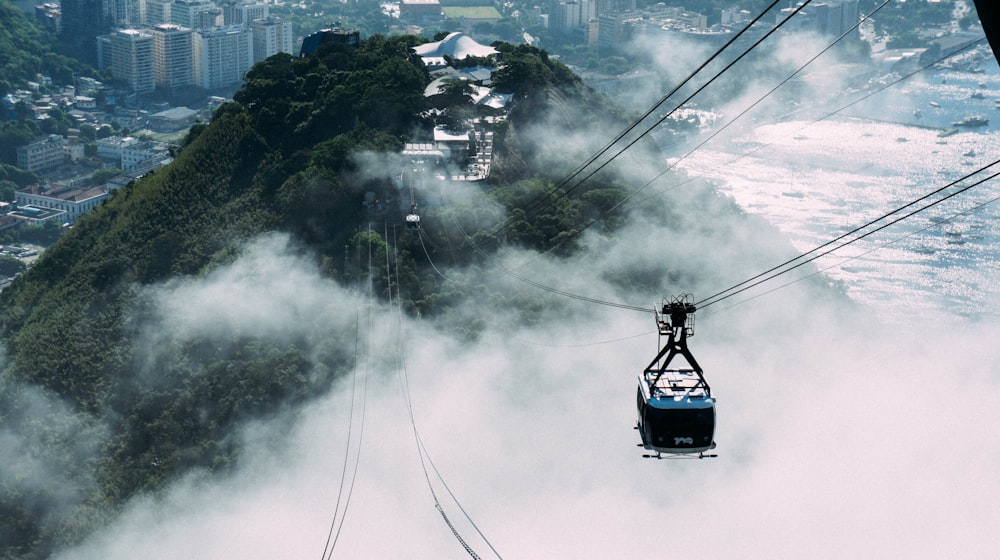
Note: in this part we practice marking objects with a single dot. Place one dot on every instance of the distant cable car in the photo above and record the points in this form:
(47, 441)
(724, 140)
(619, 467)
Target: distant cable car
(675, 405)
(413, 219)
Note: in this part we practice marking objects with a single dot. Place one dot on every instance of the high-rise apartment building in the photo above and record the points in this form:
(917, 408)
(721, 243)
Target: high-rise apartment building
(185, 13)
(126, 13)
(566, 16)
(132, 59)
(222, 55)
(270, 36)
(82, 22)
(211, 17)
(836, 17)
(158, 11)
(243, 13)
(614, 6)
(172, 55)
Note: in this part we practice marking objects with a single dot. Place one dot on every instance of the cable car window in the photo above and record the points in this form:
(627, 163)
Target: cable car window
(687, 427)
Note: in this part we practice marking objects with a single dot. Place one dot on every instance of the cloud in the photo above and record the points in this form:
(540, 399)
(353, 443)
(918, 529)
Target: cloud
(840, 433)
(47, 449)
(837, 435)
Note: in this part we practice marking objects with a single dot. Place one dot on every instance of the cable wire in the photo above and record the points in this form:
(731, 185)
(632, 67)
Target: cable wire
(422, 452)
(780, 270)
(347, 447)
(579, 169)
(332, 543)
(630, 196)
(868, 252)
(555, 194)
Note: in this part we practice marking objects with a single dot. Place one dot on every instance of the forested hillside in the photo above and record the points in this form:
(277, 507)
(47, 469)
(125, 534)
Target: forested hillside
(24, 51)
(284, 157)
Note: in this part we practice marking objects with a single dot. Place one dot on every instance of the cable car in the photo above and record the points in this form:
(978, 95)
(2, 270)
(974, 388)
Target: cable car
(413, 219)
(676, 409)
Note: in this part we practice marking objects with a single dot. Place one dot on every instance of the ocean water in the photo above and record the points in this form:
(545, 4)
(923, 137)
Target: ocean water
(818, 179)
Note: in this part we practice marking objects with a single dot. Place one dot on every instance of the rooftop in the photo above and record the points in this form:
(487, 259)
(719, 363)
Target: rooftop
(457, 45)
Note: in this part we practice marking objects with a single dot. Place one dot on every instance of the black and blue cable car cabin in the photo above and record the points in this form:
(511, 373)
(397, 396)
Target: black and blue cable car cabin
(676, 410)
(413, 219)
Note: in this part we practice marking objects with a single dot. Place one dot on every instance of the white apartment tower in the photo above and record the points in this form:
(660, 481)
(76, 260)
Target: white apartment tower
(270, 36)
(242, 13)
(222, 55)
(132, 59)
(172, 55)
(567, 16)
(185, 13)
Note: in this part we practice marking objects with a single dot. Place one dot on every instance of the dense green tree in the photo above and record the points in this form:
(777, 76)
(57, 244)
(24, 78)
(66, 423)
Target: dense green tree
(16, 175)
(527, 69)
(43, 234)
(25, 51)
(284, 155)
(7, 190)
(14, 134)
(102, 175)
(11, 266)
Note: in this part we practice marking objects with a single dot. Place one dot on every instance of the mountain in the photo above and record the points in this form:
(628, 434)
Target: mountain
(126, 414)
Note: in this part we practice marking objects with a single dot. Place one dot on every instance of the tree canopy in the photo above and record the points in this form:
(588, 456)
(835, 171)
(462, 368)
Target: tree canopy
(24, 51)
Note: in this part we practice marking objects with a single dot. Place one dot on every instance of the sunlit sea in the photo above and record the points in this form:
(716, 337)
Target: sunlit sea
(817, 179)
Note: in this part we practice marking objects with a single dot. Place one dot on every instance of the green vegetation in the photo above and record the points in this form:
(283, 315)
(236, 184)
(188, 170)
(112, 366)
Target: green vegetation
(279, 158)
(16, 175)
(25, 51)
(11, 266)
(23, 130)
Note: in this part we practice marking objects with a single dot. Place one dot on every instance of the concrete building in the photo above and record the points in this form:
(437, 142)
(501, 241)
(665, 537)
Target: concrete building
(270, 36)
(172, 120)
(566, 16)
(112, 146)
(614, 6)
(126, 13)
(222, 56)
(158, 11)
(173, 55)
(132, 59)
(73, 201)
(243, 13)
(210, 18)
(337, 35)
(836, 17)
(143, 154)
(49, 17)
(42, 153)
(82, 22)
(74, 149)
(616, 29)
(410, 10)
(456, 146)
(185, 13)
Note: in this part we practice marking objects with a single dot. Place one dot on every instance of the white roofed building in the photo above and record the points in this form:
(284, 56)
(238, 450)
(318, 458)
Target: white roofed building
(74, 201)
(132, 59)
(222, 56)
(456, 46)
(237, 13)
(172, 54)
